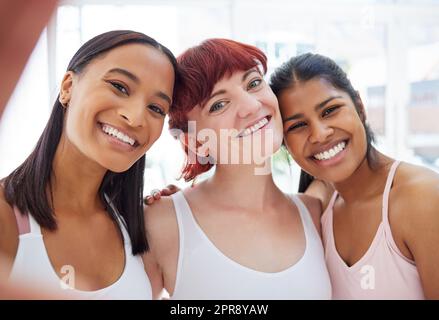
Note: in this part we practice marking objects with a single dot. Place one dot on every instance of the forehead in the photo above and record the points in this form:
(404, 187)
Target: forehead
(135, 57)
(235, 77)
(309, 92)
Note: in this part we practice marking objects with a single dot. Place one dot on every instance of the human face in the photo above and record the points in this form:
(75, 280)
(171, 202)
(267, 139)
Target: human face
(322, 130)
(243, 114)
(117, 105)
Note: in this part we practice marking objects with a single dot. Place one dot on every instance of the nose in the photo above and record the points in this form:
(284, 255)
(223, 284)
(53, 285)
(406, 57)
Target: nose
(248, 105)
(133, 114)
(320, 132)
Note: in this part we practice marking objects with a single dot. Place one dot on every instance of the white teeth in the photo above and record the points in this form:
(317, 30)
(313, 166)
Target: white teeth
(117, 134)
(254, 127)
(328, 154)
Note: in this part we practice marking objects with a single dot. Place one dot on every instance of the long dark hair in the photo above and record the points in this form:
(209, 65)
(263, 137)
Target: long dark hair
(26, 187)
(310, 66)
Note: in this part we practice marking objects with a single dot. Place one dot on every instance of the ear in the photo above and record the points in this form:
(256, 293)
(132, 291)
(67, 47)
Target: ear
(65, 93)
(191, 144)
(361, 110)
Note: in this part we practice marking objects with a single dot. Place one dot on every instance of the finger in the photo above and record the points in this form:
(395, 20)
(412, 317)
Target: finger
(169, 190)
(171, 187)
(165, 192)
(149, 200)
(156, 196)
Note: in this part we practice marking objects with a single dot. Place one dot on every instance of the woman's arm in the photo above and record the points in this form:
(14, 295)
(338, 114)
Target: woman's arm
(163, 239)
(8, 237)
(154, 273)
(420, 223)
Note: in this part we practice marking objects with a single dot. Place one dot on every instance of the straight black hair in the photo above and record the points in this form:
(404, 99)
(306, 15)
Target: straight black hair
(310, 66)
(29, 186)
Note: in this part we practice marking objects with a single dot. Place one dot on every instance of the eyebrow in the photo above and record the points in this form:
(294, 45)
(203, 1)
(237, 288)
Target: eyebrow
(125, 73)
(244, 77)
(164, 96)
(133, 77)
(316, 108)
(249, 72)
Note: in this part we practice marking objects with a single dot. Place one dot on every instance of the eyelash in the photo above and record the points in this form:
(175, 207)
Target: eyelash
(222, 103)
(253, 81)
(157, 110)
(296, 126)
(124, 90)
(120, 87)
(324, 113)
(331, 109)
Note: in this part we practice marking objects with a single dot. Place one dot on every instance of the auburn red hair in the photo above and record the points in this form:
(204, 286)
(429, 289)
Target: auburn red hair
(200, 68)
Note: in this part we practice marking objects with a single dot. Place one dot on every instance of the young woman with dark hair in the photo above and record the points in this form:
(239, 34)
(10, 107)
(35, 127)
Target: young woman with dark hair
(381, 225)
(73, 209)
(235, 235)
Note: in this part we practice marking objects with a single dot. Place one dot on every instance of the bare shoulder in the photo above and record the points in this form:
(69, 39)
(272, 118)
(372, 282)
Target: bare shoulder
(416, 195)
(416, 186)
(160, 216)
(315, 208)
(161, 224)
(163, 238)
(8, 234)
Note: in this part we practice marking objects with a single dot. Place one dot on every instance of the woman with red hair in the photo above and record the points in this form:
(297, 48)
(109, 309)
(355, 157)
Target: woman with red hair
(260, 243)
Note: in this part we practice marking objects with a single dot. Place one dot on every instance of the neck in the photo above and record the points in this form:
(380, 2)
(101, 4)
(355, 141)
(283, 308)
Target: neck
(365, 182)
(75, 187)
(243, 187)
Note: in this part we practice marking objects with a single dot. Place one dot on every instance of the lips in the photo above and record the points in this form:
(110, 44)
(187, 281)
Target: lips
(336, 146)
(118, 134)
(252, 128)
(331, 152)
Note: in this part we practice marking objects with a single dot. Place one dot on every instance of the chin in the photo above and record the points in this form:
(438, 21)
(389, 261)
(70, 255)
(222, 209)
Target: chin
(117, 167)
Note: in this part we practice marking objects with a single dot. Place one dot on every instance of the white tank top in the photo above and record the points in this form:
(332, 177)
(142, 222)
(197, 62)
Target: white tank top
(204, 272)
(33, 268)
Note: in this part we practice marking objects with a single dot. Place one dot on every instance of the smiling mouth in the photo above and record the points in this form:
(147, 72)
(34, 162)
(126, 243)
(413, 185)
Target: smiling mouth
(330, 153)
(257, 126)
(117, 134)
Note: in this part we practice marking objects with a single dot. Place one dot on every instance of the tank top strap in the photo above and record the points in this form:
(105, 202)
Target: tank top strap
(23, 223)
(26, 223)
(328, 211)
(385, 207)
(34, 226)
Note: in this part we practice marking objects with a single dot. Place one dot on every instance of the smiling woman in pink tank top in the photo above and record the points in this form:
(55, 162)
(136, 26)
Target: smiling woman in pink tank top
(381, 224)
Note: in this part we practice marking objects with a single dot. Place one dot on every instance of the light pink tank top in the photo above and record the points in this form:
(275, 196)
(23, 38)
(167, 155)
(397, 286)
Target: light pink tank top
(382, 273)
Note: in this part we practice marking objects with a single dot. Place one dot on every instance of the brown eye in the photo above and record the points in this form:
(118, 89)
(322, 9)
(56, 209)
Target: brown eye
(157, 109)
(296, 126)
(329, 110)
(120, 87)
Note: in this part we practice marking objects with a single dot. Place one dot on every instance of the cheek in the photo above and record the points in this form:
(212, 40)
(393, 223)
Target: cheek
(154, 130)
(270, 99)
(295, 146)
(361, 140)
(75, 125)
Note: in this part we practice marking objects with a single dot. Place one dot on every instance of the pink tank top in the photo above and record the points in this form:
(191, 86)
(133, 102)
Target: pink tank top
(382, 273)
